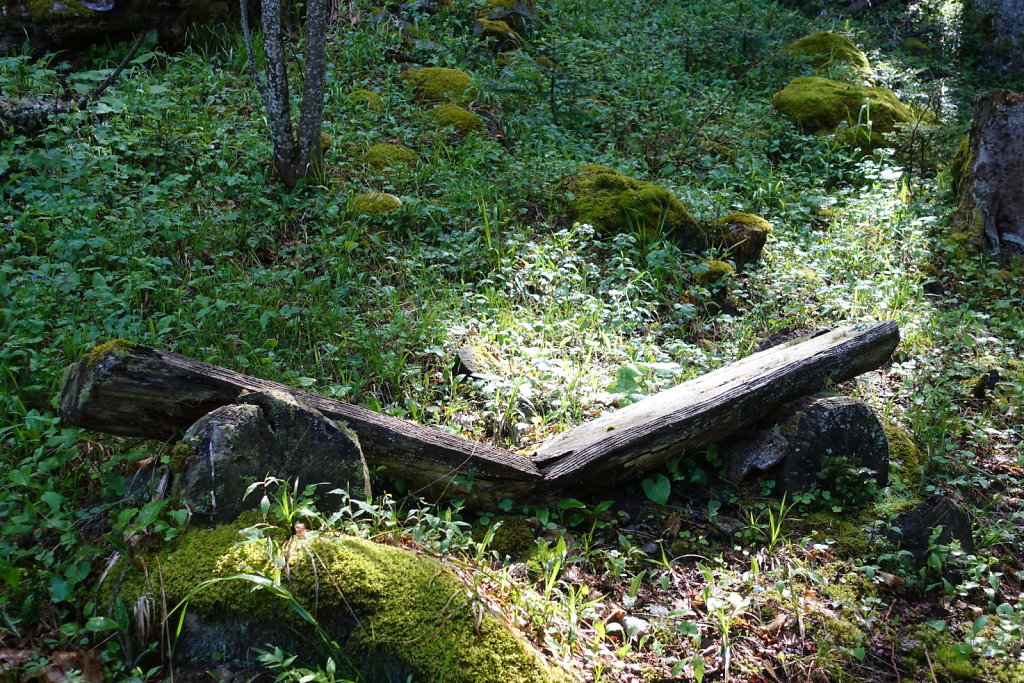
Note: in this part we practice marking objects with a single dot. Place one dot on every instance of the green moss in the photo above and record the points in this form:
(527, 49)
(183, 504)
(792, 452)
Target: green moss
(384, 155)
(916, 46)
(850, 534)
(119, 347)
(440, 85)
(326, 141)
(375, 203)
(742, 235)
(962, 166)
(368, 97)
(614, 202)
(504, 36)
(825, 50)
(713, 272)
(906, 460)
(514, 537)
(821, 105)
(508, 5)
(407, 606)
(453, 116)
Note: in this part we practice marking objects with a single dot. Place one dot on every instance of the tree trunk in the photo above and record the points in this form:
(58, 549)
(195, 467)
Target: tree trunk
(139, 391)
(991, 182)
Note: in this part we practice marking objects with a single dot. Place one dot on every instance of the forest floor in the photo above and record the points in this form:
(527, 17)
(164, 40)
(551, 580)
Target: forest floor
(154, 216)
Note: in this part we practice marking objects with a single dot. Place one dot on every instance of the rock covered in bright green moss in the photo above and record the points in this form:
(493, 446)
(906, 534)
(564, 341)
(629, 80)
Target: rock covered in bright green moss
(385, 155)
(825, 50)
(453, 116)
(371, 99)
(434, 84)
(374, 203)
(504, 37)
(613, 202)
(396, 614)
(741, 235)
(821, 105)
(713, 272)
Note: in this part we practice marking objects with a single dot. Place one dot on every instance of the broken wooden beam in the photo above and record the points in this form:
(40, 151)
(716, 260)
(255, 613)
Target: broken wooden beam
(631, 441)
(134, 390)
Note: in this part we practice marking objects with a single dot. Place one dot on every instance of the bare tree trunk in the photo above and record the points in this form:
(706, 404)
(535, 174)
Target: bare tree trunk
(295, 158)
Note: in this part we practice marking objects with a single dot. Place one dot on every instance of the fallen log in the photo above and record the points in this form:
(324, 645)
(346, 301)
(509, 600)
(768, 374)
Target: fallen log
(636, 439)
(135, 390)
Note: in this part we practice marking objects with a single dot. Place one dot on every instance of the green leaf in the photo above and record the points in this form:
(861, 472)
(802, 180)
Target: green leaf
(657, 488)
(938, 624)
(97, 624)
(59, 589)
(53, 499)
(149, 512)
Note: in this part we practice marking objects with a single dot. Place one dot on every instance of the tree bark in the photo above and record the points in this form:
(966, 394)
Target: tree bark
(139, 391)
(991, 208)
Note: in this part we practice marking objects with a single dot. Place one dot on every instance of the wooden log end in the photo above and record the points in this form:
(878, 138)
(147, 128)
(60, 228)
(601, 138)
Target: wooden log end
(79, 378)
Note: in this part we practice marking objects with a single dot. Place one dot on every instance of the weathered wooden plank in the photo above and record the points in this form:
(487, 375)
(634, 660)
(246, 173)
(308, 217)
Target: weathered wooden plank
(638, 438)
(135, 390)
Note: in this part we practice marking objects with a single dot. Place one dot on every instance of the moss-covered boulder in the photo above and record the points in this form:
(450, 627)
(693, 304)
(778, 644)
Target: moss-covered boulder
(826, 50)
(741, 235)
(367, 98)
(384, 156)
(452, 116)
(613, 202)
(821, 105)
(502, 37)
(434, 84)
(375, 203)
(396, 614)
(713, 273)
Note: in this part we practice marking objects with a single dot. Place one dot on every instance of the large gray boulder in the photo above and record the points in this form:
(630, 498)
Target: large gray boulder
(265, 434)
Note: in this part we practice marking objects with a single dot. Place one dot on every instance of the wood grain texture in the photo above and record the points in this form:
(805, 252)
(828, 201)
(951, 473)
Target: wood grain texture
(140, 391)
(146, 392)
(631, 441)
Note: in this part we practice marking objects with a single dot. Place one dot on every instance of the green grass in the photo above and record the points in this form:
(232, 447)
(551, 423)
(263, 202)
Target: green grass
(155, 217)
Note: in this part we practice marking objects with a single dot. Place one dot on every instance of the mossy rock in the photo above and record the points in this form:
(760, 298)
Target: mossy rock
(613, 202)
(713, 272)
(375, 203)
(821, 105)
(434, 84)
(741, 235)
(906, 459)
(826, 50)
(504, 38)
(383, 156)
(916, 46)
(453, 116)
(369, 98)
(513, 537)
(397, 614)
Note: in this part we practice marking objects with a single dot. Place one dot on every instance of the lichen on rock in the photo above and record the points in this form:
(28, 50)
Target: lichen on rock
(453, 116)
(385, 155)
(821, 105)
(433, 84)
(825, 50)
(374, 203)
(613, 202)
